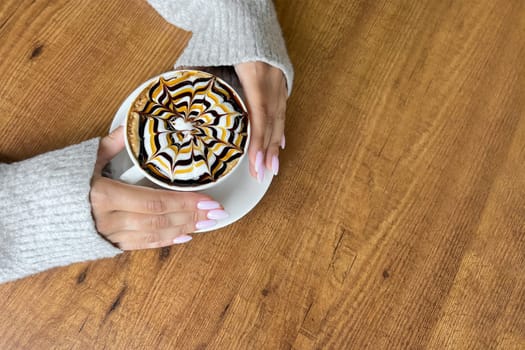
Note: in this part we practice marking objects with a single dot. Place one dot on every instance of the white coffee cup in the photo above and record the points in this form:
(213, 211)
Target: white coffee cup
(136, 173)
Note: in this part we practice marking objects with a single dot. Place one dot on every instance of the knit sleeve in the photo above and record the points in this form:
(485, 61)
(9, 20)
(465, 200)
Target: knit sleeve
(45, 214)
(227, 32)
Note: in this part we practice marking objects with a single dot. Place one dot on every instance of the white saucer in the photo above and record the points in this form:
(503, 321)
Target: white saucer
(239, 193)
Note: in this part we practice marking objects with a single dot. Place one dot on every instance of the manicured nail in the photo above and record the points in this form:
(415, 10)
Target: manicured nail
(275, 165)
(205, 224)
(259, 166)
(283, 142)
(217, 214)
(260, 176)
(207, 205)
(182, 239)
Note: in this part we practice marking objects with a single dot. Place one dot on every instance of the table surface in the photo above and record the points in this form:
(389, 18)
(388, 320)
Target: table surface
(397, 220)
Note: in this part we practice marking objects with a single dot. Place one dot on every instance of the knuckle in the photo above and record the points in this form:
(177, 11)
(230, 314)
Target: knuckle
(261, 111)
(184, 204)
(159, 222)
(105, 142)
(157, 205)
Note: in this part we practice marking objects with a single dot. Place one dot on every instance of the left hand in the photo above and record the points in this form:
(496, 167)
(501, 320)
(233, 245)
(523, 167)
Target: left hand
(137, 217)
(266, 94)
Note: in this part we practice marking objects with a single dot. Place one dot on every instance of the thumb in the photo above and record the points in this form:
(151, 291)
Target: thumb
(109, 147)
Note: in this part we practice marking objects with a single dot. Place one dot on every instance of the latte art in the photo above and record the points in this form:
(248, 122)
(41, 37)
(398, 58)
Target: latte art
(188, 130)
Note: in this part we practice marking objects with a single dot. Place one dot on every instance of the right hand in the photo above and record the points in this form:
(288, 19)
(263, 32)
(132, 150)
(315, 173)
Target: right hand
(135, 217)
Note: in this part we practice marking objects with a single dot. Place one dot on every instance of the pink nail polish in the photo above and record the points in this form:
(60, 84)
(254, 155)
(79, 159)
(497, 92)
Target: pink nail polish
(217, 214)
(283, 142)
(200, 225)
(275, 165)
(207, 205)
(259, 168)
(182, 239)
(258, 161)
(260, 176)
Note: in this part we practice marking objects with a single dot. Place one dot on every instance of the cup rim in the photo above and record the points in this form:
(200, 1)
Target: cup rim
(167, 75)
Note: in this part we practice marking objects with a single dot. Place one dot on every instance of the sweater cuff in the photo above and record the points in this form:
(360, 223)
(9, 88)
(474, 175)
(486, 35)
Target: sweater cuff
(45, 218)
(228, 32)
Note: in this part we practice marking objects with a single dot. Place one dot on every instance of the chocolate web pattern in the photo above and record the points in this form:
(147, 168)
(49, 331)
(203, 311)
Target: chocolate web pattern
(193, 129)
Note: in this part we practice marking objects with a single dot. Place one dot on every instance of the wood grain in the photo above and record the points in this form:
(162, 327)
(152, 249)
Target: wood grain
(397, 220)
(68, 65)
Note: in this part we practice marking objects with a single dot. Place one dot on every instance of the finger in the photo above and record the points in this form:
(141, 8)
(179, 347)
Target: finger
(128, 221)
(247, 73)
(109, 147)
(151, 237)
(259, 138)
(276, 139)
(260, 131)
(135, 245)
(258, 134)
(138, 199)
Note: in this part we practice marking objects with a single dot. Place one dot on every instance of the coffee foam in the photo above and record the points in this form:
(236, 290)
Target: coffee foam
(187, 130)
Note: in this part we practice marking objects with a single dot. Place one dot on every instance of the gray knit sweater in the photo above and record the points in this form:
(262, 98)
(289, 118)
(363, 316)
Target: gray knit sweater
(45, 215)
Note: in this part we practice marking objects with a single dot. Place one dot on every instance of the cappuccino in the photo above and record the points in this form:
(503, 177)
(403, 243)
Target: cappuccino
(187, 130)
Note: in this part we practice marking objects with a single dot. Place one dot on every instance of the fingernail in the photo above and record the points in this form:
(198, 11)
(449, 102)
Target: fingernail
(205, 224)
(207, 205)
(259, 166)
(275, 165)
(260, 177)
(283, 142)
(182, 239)
(217, 214)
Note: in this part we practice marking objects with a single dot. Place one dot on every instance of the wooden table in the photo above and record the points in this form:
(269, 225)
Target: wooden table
(396, 222)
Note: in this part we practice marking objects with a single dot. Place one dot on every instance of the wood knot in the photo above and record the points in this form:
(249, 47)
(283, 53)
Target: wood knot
(164, 253)
(37, 51)
(82, 276)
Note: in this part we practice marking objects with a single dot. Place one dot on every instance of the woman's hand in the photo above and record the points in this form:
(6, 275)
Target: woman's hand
(134, 217)
(266, 93)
